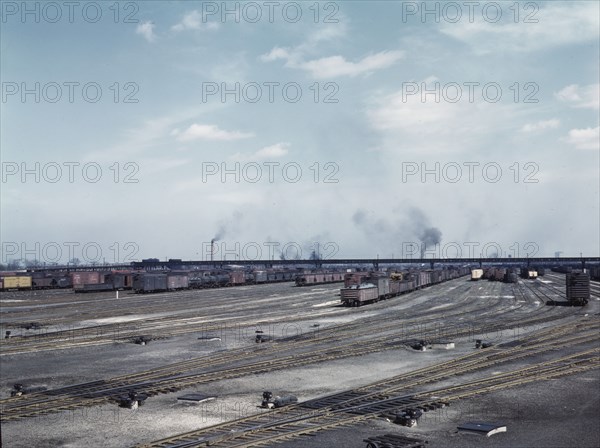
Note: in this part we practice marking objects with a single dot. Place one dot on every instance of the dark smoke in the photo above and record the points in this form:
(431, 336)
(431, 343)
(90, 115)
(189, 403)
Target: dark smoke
(226, 227)
(408, 224)
(430, 237)
(220, 233)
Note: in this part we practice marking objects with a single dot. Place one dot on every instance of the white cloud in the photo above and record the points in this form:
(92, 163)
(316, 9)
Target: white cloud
(587, 97)
(146, 29)
(299, 56)
(209, 132)
(557, 24)
(273, 151)
(334, 66)
(193, 21)
(412, 124)
(274, 54)
(588, 138)
(541, 125)
(268, 152)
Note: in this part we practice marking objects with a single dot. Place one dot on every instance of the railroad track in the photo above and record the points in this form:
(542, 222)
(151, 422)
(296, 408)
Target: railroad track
(338, 334)
(212, 302)
(96, 306)
(173, 325)
(170, 326)
(388, 397)
(227, 365)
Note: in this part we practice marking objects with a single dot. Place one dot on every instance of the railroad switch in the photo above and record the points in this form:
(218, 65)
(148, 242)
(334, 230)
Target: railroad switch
(480, 344)
(132, 401)
(32, 326)
(409, 418)
(260, 337)
(142, 340)
(20, 389)
(268, 402)
(421, 345)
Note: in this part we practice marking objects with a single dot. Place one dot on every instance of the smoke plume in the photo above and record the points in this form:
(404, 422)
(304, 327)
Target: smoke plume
(429, 237)
(407, 225)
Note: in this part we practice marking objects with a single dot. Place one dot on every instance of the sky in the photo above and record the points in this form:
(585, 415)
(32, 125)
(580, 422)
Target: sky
(133, 130)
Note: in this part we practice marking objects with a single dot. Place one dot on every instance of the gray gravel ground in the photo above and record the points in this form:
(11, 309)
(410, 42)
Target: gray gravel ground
(559, 413)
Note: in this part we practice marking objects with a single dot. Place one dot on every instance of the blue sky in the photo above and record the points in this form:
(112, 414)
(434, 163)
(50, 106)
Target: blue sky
(160, 121)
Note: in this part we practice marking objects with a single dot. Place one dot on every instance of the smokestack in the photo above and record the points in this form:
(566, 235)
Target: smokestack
(212, 249)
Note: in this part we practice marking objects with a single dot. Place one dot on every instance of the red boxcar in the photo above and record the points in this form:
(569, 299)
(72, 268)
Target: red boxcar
(237, 277)
(86, 278)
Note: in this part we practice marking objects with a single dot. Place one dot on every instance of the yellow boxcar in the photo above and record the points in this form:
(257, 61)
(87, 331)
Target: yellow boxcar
(17, 282)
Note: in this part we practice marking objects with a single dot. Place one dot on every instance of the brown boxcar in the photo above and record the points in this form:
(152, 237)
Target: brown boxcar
(237, 277)
(86, 278)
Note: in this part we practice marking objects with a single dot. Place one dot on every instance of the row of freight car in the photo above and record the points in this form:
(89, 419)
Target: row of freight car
(593, 271)
(94, 281)
(508, 275)
(577, 282)
(76, 280)
(362, 287)
(156, 282)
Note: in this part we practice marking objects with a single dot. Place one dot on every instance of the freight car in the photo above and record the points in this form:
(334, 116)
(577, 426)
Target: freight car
(319, 278)
(206, 279)
(149, 282)
(562, 269)
(159, 282)
(528, 273)
(578, 288)
(16, 282)
(355, 278)
(101, 281)
(43, 280)
(356, 295)
(78, 279)
(476, 274)
(375, 286)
